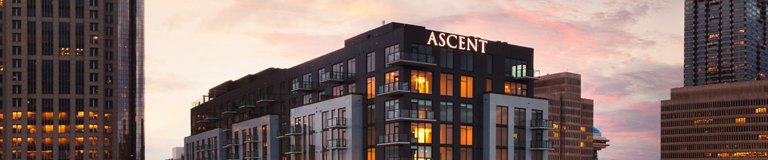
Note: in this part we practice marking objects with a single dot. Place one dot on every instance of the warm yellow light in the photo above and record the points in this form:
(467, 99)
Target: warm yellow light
(63, 129)
(761, 110)
(741, 120)
(583, 129)
(581, 144)
(32, 129)
(48, 115)
(80, 114)
(423, 135)
(48, 128)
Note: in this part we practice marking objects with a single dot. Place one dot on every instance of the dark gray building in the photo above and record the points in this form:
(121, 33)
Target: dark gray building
(71, 79)
(725, 41)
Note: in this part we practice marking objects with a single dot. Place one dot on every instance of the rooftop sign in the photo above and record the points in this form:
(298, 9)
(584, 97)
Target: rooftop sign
(457, 42)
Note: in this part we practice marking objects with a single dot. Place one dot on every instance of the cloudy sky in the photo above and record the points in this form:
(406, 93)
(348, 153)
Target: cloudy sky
(628, 52)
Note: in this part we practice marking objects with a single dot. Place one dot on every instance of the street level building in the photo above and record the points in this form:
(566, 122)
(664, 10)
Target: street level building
(571, 115)
(398, 91)
(716, 121)
(71, 79)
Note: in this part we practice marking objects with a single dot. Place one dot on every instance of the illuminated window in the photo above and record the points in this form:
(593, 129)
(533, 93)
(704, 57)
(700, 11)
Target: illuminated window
(446, 153)
(2, 117)
(80, 115)
(583, 129)
(107, 117)
(714, 35)
(392, 77)
(48, 128)
(63, 141)
(93, 128)
(466, 86)
(93, 140)
(63, 116)
(32, 129)
(422, 132)
(48, 115)
(760, 110)
(63, 128)
(31, 141)
(741, 120)
(16, 128)
(742, 30)
(16, 141)
(371, 154)
(93, 115)
(515, 88)
(488, 85)
(556, 135)
(16, 116)
(79, 128)
(740, 42)
(466, 135)
(371, 87)
(108, 129)
(79, 141)
(446, 84)
(762, 137)
(581, 144)
(446, 134)
(421, 82)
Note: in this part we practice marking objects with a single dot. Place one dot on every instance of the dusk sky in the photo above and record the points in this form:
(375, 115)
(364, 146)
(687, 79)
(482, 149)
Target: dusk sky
(629, 53)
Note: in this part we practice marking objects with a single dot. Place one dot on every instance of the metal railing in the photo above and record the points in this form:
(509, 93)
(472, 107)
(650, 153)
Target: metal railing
(542, 144)
(301, 86)
(410, 114)
(337, 143)
(394, 87)
(410, 58)
(389, 139)
(336, 122)
(541, 124)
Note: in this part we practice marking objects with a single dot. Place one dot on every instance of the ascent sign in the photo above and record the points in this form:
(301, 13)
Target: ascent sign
(457, 42)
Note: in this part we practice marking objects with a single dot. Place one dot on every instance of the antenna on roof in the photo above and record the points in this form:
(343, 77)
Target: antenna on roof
(383, 22)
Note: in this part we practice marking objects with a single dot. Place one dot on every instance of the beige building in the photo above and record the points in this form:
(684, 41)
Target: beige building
(571, 115)
(728, 120)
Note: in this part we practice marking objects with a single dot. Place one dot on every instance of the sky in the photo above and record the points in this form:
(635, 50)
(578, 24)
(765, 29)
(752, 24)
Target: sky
(629, 53)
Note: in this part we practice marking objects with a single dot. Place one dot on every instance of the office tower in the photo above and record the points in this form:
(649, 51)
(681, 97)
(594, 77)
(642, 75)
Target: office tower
(725, 41)
(716, 121)
(571, 115)
(72, 79)
(398, 91)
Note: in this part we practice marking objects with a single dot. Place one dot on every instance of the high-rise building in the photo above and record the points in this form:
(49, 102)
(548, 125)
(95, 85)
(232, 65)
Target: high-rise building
(571, 116)
(599, 142)
(396, 92)
(716, 121)
(720, 113)
(725, 41)
(72, 79)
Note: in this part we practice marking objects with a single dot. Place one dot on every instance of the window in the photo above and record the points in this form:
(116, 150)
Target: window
(466, 135)
(466, 154)
(371, 62)
(446, 111)
(338, 91)
(371, 114)
(488, 64)
(760, 110)
(392, 54)
(446, 134)
(446, 153)
(371, 154)
(351, 66)
(422, 132)
(513, 88)
(501, 136)
(515, 68)
(391, 77)
(502, 113)
(371, 87)
(488, 84)
(466, 113)
(466, 61)
(422, 152)
(741, 120)
(446, 84)
(421, 82)
(446, 58)
(520, 117)
(466, 86)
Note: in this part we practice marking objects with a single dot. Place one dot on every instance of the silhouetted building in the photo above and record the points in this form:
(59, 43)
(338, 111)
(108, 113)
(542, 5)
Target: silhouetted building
(396, 92)
(72, 79)
(572, 116)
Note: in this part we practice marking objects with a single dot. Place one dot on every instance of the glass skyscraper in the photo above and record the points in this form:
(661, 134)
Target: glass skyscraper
(71, 79)
(725, 41)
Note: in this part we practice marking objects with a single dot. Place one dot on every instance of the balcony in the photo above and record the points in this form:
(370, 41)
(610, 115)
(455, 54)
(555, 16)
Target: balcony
(542, 124)
(393, 89)
(251, 155)
(410, 59)
(337, 122)
(334, 77)
(251, 139)
(246, 105)
(228, 112)
(266, 99)
(523, 74)
(542, 145)
(396, 139)
(232, 143)
(414, 115)
(337, 144)
(293, 130)
(296, 149)
(301, 86)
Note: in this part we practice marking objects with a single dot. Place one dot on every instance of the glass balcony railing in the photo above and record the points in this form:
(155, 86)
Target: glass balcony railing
(337, 143)
(541, 124)
(337, 122)
(250, 154)
(404, 58)
(394, 88)
(334, 77)
(301, 86)
(265, 99)
(394, 139)
(293, 130)
(410, 115)
(542, 145)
